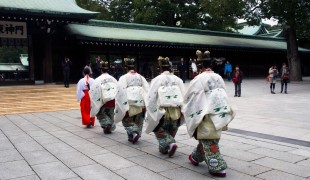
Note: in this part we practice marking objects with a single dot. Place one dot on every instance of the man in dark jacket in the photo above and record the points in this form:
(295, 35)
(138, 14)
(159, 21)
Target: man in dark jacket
(66, 63)
(237, 77)
(182, 69)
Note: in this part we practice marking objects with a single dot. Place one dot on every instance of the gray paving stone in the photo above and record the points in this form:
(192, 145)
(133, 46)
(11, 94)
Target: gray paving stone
(31, 177)
(235, 175)
(74, 128)
(38, 157)
(278, 175)
(75, 159)
(238, 154)
(58, 148)
(191, 142)
(138, 172)
(261, 143)
(236, 145)
(301, 152)
(120, 137)
(153, 150)
(37, 133)
(103, 142)
(90, 149)
(21, 139)
(15, 169)
(304, 163)
(113, 161)
(29, 128)
(284, 156)
(73, 140)
(295, 169)
(153, 163)
(87, 134)
(183, 161)
(183, 174)
(10, 155)
(53, 170)
(61, 133)
(94, 172)
(245, 167)
(28, 147)
(5, 144)
(49, 139)
(14, 132)
(124, 151)
(186, 150)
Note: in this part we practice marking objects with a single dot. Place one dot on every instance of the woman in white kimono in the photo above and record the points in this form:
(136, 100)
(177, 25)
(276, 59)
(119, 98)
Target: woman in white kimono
(163, 106)
(129, 101)
(102, 95)
(82, 89)
(207, 112)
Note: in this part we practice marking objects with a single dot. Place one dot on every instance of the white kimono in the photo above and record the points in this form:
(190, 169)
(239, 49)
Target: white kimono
(121, 100)
(96, 92)
(81, 85)
(206, 96)
(153, 112)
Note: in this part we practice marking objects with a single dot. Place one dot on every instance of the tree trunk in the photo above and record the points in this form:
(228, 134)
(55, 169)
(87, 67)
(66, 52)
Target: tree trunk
(292, 55)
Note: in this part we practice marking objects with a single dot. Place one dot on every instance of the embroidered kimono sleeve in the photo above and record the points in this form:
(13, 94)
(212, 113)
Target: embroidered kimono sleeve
(121, 100)
(79, 90)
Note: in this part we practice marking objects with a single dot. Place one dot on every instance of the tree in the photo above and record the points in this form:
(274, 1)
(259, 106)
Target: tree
(222, 15)
(121, 10)
(294, 15)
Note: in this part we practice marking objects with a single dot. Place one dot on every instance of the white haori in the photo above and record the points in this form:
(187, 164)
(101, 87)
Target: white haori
(121, 100)
(153, 111)
(96, 92)
(206, 96)
(81, 85)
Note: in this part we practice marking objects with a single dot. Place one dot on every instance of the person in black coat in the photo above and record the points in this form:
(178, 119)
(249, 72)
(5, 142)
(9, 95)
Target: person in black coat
(182, 69)
(66, 63)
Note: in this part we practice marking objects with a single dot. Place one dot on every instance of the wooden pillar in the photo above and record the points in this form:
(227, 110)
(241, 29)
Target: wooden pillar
(47, 62)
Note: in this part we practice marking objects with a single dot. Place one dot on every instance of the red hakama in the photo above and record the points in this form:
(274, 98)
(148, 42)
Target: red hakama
(85, 110)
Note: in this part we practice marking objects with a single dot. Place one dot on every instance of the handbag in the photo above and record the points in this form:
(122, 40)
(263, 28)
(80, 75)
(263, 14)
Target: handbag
(285, 76)
(235, 80)
(267, 78)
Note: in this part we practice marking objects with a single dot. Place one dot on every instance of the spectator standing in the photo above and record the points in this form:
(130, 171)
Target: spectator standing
(228, 70)
(66, 63)
(284, 77)
(237, 77)
(273, 74)
(96, 67)
(182, 69)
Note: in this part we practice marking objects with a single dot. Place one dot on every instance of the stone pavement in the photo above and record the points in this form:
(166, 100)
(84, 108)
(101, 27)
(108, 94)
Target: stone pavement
(268, 139)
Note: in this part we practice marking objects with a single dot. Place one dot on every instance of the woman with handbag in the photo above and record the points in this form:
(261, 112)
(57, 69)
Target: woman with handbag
(284, 77)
